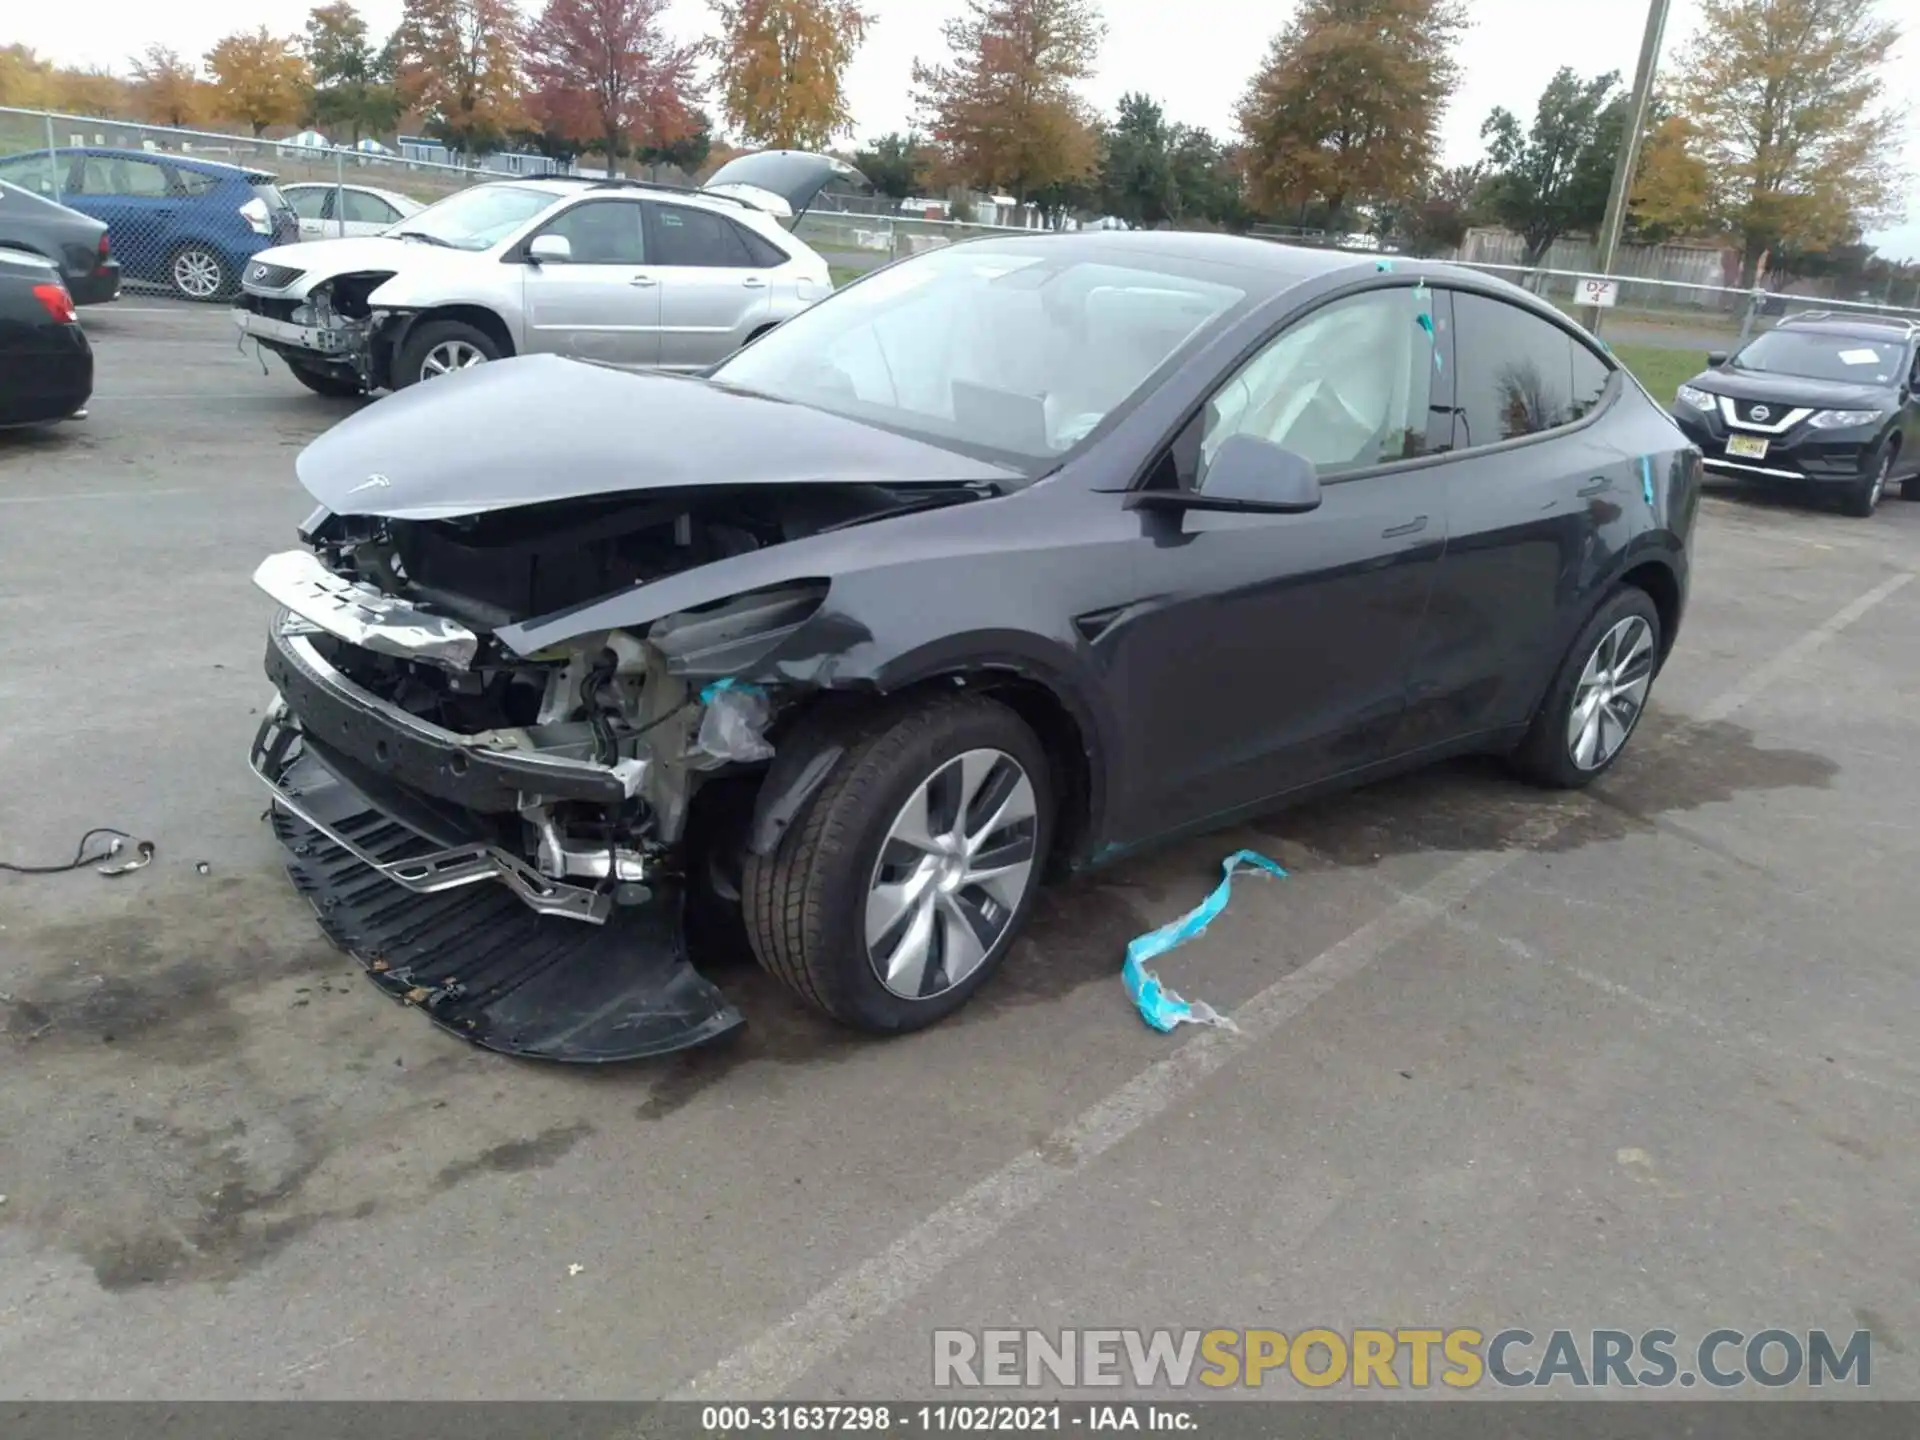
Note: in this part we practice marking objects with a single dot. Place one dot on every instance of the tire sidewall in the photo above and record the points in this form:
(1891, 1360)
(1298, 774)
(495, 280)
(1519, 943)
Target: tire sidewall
(1549, 757)
(843, 885)
(436, 332)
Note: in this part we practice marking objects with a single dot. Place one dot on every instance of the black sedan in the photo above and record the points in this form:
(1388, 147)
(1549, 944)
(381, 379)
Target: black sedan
(46, 365)
(1013, 557)
(77, 244)
(1819, 403)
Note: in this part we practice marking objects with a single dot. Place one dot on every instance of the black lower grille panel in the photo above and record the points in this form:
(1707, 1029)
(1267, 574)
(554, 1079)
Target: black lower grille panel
(482, 965)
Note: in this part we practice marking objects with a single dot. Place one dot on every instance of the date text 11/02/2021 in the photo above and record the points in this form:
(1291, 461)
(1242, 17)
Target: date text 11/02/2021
(987, 1418)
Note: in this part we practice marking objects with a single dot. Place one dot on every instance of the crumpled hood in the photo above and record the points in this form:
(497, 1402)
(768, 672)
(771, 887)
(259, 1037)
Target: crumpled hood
(539, 428)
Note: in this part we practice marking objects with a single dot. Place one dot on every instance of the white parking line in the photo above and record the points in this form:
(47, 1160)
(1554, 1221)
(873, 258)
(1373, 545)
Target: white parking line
(764, 1367)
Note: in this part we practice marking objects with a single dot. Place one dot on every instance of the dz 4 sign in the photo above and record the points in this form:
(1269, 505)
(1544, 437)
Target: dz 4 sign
(1598, 292)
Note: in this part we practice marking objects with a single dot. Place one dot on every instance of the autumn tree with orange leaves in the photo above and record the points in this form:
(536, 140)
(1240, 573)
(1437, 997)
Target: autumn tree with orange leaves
(1002, 112)
(782, 68)
(166, 88)
(1346, 107)
(459, 61)
(259, 77)
(606, 70)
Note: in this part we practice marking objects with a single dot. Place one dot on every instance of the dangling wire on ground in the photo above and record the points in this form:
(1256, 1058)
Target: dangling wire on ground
(143, 852)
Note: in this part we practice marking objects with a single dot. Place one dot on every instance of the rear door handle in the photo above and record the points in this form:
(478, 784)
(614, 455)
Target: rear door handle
(1594, 486)
(754, 282)
(1412, 527)
(643, 280)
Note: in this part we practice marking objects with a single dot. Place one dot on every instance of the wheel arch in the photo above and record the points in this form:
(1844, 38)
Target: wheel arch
(827, 726)
(1662, 586)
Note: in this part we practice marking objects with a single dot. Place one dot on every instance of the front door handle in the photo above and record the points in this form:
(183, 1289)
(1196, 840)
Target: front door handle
(1412, 527)
(643, 280)
(754, 282)
(1594, 486)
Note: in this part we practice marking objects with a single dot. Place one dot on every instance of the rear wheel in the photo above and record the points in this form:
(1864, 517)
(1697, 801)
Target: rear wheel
(908, 876)
(323, 382)
(197, 272)
(1598, 696)
(1863, 498)
(441, 347)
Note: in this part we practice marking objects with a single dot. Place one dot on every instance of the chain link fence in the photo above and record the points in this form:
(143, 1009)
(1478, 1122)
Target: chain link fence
(186, 209)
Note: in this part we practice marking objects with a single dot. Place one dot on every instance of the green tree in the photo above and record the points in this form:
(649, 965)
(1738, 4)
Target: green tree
(1136, 169)
(688, 150)
(1552, 179)
(1437, 217)
(354, 85)
(1346, 108)
(896, 164)
(1785, 100)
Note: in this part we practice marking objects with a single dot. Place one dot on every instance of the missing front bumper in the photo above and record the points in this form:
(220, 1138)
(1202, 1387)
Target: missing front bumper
(476, 957)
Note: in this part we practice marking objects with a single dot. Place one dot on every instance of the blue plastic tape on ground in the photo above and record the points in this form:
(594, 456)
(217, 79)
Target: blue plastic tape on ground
(1159, 1006)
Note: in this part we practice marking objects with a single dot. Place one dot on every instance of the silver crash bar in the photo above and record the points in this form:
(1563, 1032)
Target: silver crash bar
(438, 870)
(363, 615)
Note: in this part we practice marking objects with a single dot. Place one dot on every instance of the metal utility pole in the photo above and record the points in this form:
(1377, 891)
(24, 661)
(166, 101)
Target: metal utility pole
(1625, 162)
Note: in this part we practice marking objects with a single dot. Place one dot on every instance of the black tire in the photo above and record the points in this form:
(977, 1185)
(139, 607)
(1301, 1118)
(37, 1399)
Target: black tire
(431, 336)
(1545, 756)
(804, 904)
(323, 382)
(1863, 497)
(200, 260)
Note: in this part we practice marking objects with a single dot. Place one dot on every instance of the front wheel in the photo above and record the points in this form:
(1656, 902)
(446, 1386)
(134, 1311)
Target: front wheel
(1598, 696)
(197, 272)
(908, 876)
(1864, 496)
(440, 347)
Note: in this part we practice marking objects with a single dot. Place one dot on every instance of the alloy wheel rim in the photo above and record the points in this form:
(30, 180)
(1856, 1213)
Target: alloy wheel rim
(955, 865)
(1611, 693)
(449, 356)
(196, 273)
(1879, 481)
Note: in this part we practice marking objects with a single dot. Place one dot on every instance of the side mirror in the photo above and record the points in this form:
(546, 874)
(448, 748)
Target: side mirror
(546, 248)
(1247, 474)
(1716, 358)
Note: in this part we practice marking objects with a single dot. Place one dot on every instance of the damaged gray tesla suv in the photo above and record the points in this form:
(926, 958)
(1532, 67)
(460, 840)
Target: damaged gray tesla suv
(1008, 559)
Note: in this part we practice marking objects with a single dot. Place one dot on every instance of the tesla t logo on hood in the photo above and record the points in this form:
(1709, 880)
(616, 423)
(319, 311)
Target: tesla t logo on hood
(372, 482)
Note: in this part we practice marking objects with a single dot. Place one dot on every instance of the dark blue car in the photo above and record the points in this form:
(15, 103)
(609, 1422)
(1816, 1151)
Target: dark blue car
(185, 223)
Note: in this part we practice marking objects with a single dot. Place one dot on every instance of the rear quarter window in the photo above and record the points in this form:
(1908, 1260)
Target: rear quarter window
(1518, 374)
(195, 182)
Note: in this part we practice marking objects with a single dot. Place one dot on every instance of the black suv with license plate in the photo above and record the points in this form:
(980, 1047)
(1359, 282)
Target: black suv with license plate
(1819, 401)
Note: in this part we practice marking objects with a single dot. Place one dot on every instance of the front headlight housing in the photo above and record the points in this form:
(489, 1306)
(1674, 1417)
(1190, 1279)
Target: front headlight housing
(1692, 395)
(1843, 419)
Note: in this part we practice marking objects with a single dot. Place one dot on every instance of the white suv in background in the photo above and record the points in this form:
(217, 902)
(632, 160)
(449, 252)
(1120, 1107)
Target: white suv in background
(618, 272)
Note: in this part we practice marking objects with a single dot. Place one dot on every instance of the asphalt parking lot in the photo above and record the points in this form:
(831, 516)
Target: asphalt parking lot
(1641, 1057)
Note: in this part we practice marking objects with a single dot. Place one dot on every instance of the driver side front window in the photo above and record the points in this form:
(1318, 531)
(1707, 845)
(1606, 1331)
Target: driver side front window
(1347, 387)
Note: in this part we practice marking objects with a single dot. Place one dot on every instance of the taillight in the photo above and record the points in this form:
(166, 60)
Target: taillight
(258, 219)
(106, 250)
(58, 302)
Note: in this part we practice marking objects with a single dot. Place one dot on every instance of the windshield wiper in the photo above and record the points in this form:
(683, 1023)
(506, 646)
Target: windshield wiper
(422, 235)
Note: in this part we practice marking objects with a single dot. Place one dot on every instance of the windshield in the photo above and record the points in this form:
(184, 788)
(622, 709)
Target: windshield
(476, 219)
(1817, 356)
(1009, 351)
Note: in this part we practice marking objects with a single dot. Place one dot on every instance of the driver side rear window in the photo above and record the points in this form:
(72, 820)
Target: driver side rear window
(1518, 374)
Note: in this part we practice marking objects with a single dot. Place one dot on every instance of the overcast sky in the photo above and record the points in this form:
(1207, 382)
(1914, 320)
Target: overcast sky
(1194, 56)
